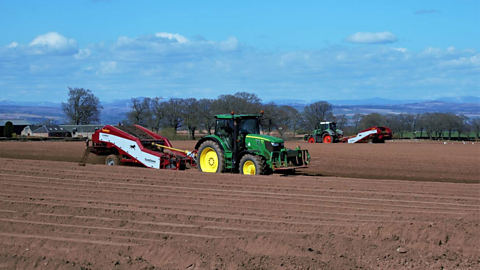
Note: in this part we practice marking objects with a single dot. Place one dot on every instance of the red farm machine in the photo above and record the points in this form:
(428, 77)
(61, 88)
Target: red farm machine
(329, 133)
(370, 135)
(138, 145)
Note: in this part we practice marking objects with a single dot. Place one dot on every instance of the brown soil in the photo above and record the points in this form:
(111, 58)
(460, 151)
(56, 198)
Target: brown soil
(417, 161)
(58, 215)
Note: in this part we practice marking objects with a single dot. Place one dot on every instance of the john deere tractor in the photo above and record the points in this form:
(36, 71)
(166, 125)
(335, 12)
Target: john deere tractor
(327, 133)
(237, 146)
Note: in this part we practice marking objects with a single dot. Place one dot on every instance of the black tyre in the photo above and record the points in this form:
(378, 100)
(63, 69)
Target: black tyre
(252, 165)
(210, 158)
(112, 160)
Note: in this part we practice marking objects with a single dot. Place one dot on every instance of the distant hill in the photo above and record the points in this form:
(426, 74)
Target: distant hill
(467, 109)
(115, 111)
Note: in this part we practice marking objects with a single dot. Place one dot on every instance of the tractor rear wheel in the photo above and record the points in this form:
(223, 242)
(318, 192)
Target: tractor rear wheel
(210, 158)
(112, 160)
(311, 139)
(327, 138)
(252, 165)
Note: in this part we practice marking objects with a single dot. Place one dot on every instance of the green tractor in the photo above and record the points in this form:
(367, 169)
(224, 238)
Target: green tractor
(237, 147)
(327, 133)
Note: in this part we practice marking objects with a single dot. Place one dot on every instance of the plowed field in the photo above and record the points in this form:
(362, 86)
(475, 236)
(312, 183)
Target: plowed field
(55, 214)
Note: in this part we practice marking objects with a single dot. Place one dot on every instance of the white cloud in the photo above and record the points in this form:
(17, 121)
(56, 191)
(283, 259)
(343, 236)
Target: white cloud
(231, 44)
(53, 43)
(473, 61)
(83, 54)
(169, 63)
(174, 37)
(371, 38)
(403, 50)
(109, 67)
(12, 45)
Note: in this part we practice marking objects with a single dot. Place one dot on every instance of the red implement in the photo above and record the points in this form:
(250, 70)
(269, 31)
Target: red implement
(136, 144)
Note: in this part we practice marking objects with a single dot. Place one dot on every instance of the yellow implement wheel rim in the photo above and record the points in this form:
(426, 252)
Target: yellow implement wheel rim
(209, 160)
(249, 167)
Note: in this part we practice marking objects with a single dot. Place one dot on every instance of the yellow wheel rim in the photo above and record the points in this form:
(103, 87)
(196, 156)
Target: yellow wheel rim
(248, 167)
(209, 160)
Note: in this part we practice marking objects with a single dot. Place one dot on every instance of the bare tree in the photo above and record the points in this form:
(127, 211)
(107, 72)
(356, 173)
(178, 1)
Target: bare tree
(427, 122)
(356, 119)
(205, 113)
(191, 118)
(475, 126)
(316, 113)
(461, 125)
(371, 120)
(393, 121)
(287, 118)
(341, 120)
(140, 113)
(82, 107)
(240, 102)
(157, 113)
(297, 121)
(173, 113)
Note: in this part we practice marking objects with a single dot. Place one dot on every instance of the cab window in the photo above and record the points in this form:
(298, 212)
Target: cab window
(224, 126)
(249, 126)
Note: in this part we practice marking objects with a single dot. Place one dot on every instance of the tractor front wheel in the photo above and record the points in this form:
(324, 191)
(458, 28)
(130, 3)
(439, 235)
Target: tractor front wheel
(311, 139)
(252, 165)
(210, 158)
(327, 138)
(112, 160)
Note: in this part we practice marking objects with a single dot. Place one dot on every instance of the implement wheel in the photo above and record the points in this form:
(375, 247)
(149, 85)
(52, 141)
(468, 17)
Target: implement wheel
(252, 165)
(311, 139)
(112, 160)
(210, 158)
(327, 138)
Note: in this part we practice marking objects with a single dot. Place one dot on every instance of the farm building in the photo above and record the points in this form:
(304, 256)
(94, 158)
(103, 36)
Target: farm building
(51, 131)
(82, 131)
(28, 130)
(18, 125)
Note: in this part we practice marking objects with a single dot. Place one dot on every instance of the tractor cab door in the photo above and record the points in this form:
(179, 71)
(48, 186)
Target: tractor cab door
(324, 126)
(224, 129)
(246, 126)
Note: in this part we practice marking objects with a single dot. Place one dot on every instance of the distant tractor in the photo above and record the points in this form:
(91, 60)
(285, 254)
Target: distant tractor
(237, 146)
(327, 133)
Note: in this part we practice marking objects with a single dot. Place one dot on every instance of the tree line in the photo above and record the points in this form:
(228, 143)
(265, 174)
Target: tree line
(431, 125)
(193, 115)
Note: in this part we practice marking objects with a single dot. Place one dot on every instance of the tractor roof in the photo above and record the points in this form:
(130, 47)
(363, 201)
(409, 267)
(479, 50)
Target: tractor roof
(236, 116)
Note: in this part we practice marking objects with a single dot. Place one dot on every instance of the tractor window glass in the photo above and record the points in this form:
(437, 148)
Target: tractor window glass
(333, 126)
(249, 126)
(224, 126)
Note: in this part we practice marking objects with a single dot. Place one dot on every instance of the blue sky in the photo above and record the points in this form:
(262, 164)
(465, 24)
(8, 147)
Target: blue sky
(307, 50)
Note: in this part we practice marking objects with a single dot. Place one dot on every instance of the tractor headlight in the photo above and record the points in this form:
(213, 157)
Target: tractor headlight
(275, 144)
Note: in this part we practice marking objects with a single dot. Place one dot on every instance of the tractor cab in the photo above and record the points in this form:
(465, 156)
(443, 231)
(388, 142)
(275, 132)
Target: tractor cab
(233, 130)
(328, 125)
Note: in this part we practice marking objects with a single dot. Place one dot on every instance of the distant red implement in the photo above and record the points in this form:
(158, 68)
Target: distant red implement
(370, 135)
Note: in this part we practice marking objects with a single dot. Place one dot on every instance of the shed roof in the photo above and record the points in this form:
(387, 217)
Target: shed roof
(82, 128)
(51, 129)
